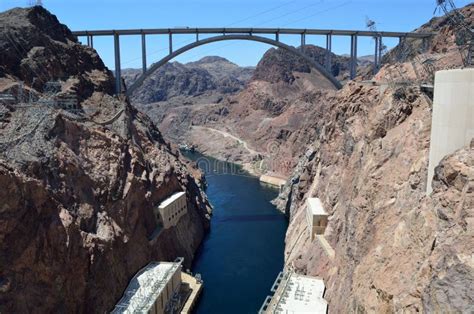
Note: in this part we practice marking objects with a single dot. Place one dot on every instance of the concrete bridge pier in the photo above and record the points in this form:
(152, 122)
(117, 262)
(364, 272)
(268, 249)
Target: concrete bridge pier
(143, 53)
(303, 42)
(425, 44)
(401, 46)
(353, 61)
(328, 52)
(381, 49)
(376, 55)
(90, 41)
(171, 42)
(118, 70)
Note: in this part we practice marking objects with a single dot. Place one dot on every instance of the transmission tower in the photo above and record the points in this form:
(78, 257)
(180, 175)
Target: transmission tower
(380, 48)
(463, 31)
(34, 3)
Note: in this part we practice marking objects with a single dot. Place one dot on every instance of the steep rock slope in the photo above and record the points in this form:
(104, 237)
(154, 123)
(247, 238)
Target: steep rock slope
(396, 248)
(78, 187)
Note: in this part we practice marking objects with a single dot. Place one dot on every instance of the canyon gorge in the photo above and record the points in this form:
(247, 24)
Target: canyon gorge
(79, 185)
(363, 150)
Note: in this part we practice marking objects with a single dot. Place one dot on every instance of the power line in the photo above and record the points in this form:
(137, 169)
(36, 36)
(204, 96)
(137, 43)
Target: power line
(319, 12)
(233, 23)
(290, 13)
(259, 24)
(261, 13)
(307, 17)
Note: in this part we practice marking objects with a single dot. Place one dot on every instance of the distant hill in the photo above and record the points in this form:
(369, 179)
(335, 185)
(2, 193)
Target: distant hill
(209, 75)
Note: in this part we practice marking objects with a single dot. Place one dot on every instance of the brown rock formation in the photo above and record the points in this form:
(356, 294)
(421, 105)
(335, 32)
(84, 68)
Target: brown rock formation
(261, 125)
(396, 249)
(78, 188)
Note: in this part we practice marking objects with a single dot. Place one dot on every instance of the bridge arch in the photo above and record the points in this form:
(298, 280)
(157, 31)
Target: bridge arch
(249, 37)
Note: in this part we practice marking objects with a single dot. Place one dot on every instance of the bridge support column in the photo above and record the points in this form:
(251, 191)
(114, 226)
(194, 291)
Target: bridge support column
(118, 71)
(197, 36)
(425, 44)
(328, 52)
(401, 48)
(353, 61)
(90, 41)
(303, 41)
(143, 53)
(376, 55)
(277, 37)
(171, 42)
(381, 48)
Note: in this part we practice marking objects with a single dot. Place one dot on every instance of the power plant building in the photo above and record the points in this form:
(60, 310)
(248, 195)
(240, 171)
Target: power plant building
(172, 209)
(154, 290)
(316, 216)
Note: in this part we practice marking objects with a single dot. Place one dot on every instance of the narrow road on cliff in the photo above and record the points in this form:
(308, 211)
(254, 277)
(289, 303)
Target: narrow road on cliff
(227, 134)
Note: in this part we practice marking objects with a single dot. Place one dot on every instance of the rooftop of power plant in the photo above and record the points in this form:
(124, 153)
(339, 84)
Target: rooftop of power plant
(145, 287)
(171, 199)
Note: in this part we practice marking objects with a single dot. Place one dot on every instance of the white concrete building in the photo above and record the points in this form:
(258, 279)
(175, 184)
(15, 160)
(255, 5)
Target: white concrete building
(172, 209)
(294, 293)
(452, 124)
(273, 180)
(153, 289)
(316, 216)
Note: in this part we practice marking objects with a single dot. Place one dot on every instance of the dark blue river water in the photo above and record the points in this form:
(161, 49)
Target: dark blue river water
(243, 253)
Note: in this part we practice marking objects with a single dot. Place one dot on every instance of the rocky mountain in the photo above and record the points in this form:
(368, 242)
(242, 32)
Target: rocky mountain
(222, 69)
(209, 76)
(81, 172)
(278, 65)
(262, 115)
(395, 248)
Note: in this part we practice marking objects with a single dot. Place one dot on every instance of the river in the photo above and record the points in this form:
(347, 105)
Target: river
(243, 253)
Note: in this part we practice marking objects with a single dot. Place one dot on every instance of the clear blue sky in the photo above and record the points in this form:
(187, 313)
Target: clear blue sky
(390, 15)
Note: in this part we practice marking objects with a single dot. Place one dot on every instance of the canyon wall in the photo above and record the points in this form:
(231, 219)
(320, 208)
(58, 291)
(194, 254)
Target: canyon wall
(396, 248)
(79, 184)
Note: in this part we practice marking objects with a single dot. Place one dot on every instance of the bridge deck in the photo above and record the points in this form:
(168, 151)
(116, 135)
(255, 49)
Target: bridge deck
(157, 31)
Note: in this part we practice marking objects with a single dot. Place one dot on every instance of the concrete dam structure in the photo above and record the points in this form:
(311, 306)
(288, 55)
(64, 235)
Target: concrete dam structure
(452, 124)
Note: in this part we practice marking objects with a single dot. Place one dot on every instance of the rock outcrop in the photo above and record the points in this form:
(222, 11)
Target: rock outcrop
(79, 184)
(280, 65)
(207, 78)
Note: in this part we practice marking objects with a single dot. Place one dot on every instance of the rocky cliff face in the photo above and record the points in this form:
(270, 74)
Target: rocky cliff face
(279, 65)
(396, 249)
(207, 77)
(78, 187)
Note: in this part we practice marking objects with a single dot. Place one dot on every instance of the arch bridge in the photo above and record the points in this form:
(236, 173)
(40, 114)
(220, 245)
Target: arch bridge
(251, 34)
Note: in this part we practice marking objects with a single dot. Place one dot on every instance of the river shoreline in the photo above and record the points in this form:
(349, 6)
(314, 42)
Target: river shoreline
(244, 222)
